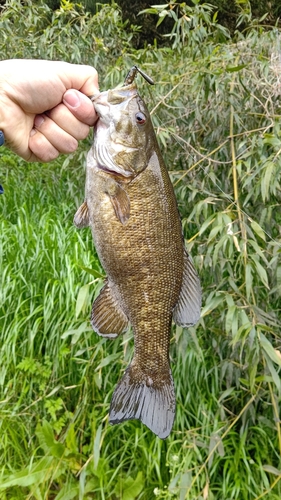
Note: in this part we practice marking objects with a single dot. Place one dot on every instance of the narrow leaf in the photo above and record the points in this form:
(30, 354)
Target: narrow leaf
(261, 271)
(134, 489)
(106, 361)
(70, 439)
(82, 299)
(272, 470)
(258, 230)
(225, 394)
(269, 349)
(185, 482)
(212, 304)
(266, 179)
(232, 69)
(274, 375)
(248, 279)
(93, 272)
(40, 471)
(97, 446)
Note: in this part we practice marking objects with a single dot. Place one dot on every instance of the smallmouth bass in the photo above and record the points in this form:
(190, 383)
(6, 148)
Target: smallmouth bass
(131, 208)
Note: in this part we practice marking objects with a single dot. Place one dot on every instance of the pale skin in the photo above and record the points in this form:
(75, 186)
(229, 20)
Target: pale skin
(44, 108)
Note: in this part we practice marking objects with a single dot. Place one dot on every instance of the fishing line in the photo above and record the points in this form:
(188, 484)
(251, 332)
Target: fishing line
(207, 157)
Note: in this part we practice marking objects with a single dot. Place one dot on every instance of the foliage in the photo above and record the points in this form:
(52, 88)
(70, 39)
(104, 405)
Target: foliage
(69, 33)
(217, 114)
(228, 13)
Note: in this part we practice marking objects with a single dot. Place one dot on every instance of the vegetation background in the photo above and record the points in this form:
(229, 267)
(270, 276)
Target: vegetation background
(216, 111)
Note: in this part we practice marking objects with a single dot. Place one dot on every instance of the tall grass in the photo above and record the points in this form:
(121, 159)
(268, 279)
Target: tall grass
(216, 111)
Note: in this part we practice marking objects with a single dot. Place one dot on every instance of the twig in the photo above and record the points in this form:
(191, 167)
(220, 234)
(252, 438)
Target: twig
(277, 417)
(269, 489)
(234, 168)
(199, 161)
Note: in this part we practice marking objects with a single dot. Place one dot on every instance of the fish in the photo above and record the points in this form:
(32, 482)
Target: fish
(131, 208)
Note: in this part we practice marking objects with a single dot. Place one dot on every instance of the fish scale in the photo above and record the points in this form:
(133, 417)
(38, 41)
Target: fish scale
(131, 208)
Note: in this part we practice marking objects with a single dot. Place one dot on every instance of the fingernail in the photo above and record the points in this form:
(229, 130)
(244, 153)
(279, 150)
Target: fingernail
(39, 119)
(33, 132)
(71, 98)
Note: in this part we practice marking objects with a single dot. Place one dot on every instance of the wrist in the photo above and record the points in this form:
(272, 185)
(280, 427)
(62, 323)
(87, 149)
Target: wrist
(12, 123)
(9, 107)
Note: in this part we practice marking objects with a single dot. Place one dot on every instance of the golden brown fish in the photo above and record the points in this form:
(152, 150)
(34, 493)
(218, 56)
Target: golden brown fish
(131, 208)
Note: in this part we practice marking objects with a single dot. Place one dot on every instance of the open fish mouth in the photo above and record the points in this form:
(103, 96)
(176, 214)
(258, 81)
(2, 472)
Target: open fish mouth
(106, 162)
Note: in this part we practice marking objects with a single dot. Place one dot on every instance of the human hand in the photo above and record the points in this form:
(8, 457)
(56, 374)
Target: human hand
(44, 108)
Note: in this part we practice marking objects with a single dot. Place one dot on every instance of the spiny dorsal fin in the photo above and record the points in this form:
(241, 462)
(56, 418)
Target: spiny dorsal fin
(187, 309)
(119, 199)
(81, 218)
(107, 317)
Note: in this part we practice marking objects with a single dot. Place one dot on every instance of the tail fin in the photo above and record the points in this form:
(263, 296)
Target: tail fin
(138, 396)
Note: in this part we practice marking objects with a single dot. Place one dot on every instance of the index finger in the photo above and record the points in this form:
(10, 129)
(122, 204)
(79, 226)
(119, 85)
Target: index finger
(81, 77)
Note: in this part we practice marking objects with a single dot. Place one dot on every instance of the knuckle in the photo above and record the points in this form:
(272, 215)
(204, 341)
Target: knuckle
(84, 132)
(42, 148)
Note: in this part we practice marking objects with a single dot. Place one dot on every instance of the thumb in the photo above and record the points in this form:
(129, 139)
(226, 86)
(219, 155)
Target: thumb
(80, 106)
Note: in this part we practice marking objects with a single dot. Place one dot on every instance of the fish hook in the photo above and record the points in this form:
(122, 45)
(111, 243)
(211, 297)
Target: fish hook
(129, 79)
(132, 74)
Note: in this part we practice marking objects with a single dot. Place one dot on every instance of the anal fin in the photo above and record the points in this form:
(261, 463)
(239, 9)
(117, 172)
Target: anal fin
(107, 318)
(188, 307)
(81, 218)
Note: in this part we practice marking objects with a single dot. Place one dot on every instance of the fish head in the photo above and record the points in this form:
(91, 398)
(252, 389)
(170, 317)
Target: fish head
(124, 135)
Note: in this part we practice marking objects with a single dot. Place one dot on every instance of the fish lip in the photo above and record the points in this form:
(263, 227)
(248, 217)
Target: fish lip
(93, 97)
(103, 100)
(122, 94)
(96, 123)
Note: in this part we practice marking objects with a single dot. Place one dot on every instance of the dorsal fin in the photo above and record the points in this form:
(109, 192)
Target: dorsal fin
(188, 308)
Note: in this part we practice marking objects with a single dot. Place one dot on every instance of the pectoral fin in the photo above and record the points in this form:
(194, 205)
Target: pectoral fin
(81, 218)
(107, 318)
(119, 199)
(187, 309)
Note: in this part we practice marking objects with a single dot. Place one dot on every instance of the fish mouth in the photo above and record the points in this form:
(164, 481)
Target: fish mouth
(107, 164)
(103, 153)
(114, 96)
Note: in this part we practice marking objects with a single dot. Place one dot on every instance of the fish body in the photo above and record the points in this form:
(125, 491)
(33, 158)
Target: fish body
(131, 208)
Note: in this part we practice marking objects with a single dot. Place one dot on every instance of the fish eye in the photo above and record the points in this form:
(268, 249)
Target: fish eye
(140, 118)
